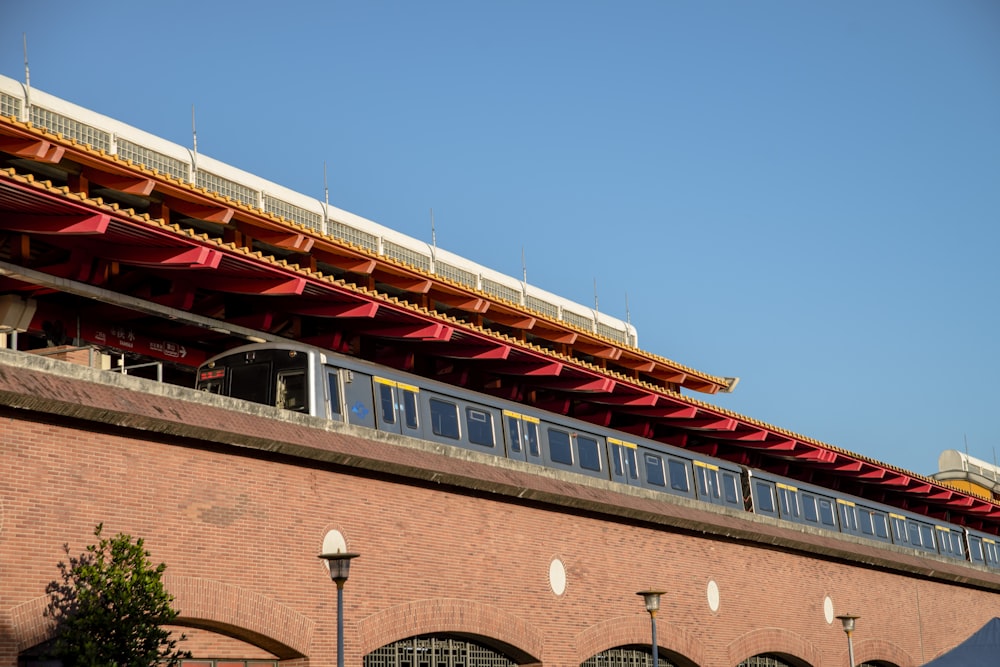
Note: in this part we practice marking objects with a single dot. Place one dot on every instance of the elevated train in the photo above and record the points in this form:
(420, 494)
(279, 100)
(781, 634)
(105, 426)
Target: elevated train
(353, 391)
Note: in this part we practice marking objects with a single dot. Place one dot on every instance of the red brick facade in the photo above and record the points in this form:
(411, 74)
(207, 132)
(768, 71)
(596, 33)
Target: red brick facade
(238, 503)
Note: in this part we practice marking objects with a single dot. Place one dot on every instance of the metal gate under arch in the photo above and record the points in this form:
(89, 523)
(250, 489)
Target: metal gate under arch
(625, 657)
(431, 651)
(766, 660)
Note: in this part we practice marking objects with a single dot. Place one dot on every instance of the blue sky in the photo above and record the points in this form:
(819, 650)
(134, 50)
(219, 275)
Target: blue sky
(802, 194)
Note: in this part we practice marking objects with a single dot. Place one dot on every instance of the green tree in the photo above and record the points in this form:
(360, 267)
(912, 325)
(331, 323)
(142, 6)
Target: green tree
(110, 606)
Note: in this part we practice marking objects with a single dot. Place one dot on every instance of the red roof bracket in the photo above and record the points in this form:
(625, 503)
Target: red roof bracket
(417, 330)
(458, 351)
(201, 210)
(82, 223)
(586, 384)
(194, 257)
(360, 309)
(287, 240)
(274, 286)
(121, 181)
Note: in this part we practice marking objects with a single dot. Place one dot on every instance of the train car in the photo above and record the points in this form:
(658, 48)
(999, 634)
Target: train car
(983, 549)
(784, 499)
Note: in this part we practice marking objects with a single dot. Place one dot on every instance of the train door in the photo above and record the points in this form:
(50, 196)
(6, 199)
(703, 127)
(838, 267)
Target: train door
(624, 461)
(521, 434)
(396, 407)
(899, 533)
(949, 542)
(848, 517)
(358, 399)
(717, 486)
(788, 502)
(762, 496)
(990, 553)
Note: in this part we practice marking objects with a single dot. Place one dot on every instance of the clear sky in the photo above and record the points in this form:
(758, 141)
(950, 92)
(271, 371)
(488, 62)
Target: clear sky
(802, 194)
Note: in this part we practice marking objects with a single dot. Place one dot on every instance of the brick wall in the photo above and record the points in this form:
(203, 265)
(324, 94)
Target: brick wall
(240, 512)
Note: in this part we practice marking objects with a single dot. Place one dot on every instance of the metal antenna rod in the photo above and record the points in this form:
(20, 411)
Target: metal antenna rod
(27, 72)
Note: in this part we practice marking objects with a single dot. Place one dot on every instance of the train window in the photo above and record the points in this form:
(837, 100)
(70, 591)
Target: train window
(826, 514)
(444, 418)
(926, 536)
(914, 533)
(975, 549)
(409, 407)
(678, 475)
(531, 438)
(765, 497)
(881, 529)
(290, 391)
(730, 488)
(480, 425)
(560, 448)
(213, 386)
(514, 428)
(333, 382)
(386, 403)
(654, 470)
(250, 382)
(809, 508)
(590, 453)
(865, 521)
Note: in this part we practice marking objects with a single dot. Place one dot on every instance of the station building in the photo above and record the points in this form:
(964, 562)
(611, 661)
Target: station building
(126, 262)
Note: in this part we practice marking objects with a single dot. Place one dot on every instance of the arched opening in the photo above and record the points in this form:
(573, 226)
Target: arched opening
(635, 656)
(208, 650)
(773, 660)
(437, 651)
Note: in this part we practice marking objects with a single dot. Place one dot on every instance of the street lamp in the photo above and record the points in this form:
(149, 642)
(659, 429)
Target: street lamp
(848, 622)
(340, 565)
(652, 599)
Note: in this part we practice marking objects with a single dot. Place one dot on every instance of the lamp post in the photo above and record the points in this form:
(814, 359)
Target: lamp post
(652, 599)
(848, 622)
(340, 565)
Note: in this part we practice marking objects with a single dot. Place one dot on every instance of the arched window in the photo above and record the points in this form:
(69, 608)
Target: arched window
(430, 651)
(626, 657)
(767, 660)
